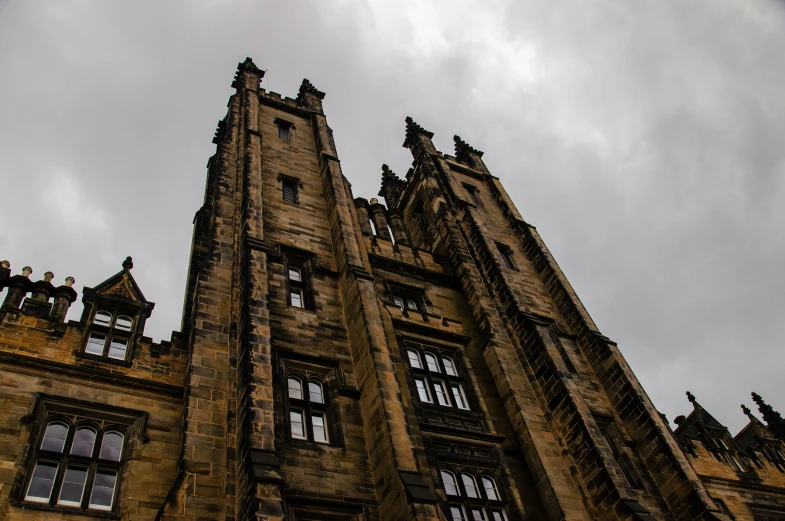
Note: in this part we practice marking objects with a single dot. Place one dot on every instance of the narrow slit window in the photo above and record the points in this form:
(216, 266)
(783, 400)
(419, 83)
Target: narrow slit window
(507, 256)
(289, 187)
(474, 193)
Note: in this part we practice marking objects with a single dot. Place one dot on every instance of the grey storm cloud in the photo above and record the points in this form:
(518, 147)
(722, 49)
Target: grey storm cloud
(643, 139)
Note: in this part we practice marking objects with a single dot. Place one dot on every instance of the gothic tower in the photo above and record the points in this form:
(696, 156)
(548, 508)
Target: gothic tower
(343, 359)
(420, 360)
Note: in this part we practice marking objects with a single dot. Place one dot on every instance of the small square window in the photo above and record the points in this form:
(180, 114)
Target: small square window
(474, 193)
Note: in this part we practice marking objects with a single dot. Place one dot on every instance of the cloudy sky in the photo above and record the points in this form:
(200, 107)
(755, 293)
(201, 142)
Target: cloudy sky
(644, 139)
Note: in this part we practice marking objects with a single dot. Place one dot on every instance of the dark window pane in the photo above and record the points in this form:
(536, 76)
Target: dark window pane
(283, 132)
(73, 487)
(290, 192)
(40, 488)
(103, 491)
(84, 440)
(54, 438)
(111, 446)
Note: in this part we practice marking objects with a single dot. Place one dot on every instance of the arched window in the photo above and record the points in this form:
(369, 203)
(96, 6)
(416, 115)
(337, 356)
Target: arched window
(84, 442)
(433, 365)
(449, 366)
(67, 471)
(111, 446)
(414, 359)
(124, 323)
(103, 318)
(490, 488)
(54, 437)
(398, 302)
(470, 485)
(295, 388)
(315, 392)
(295, 275)
(450, 485)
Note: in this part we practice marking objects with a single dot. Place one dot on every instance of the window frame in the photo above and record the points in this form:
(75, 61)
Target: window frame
(508, 260)
(111, 333)
(286, 127)
(467, 504)
(433, 379)
(75, 416)
(307, 407)
(408, 300)
(303, 264)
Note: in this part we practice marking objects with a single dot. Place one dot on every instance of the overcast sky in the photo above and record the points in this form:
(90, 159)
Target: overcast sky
(644, 140)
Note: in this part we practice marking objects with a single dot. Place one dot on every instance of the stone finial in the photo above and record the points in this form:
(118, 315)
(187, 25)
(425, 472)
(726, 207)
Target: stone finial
(773, 419)
(678, 420)
(464, 151)
(747, 411)
(128, 263)
(27, 271)
(691, 397)
(413, 129)
(5, 265)
(69, 281)
(374, 200)
(48, 276)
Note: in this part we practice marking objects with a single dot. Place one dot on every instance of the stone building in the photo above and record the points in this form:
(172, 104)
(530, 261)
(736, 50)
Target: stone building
(341, 359)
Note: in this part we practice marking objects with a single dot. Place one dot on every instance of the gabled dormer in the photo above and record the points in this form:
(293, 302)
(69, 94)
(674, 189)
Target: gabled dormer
(114, 316)
(714, 436)
(755, 438)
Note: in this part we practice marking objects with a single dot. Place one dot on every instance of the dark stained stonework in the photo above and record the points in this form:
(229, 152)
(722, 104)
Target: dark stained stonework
(344, 359)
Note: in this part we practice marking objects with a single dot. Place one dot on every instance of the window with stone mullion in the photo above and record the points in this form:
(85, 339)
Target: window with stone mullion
(434, 383)
(313, 410)
(76, 465)
(472, 496)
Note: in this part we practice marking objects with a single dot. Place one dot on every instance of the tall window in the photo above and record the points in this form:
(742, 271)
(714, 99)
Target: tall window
(436, 377)
(110, 335)
(472, 496)
(289, 188)
(76, 464)
(299, 283)
(308, 408)
(507, 256)
(613, 436)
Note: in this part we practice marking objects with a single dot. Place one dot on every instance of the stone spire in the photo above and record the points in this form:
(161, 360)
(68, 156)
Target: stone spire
(392, 187)
(773, 419)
